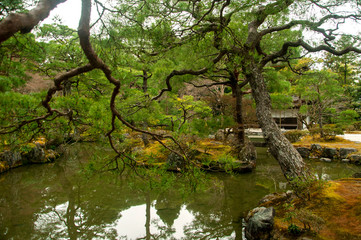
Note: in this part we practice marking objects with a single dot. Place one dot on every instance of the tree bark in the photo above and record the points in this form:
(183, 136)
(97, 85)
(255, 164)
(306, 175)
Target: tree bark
(238, 95)
(25, 22)
(287, 156)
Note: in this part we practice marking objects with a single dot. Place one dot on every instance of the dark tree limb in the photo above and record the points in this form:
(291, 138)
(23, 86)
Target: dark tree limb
(210, 85)
(186, 72)
(312, 25)
(46, 102)
(309, 48)
(96, 62)
(25, 22)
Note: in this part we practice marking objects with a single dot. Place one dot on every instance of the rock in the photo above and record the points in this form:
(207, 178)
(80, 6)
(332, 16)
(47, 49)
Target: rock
(247, 156)
(357, 175)
(274, 198)
(12, 159)
(346, 151)
(345, 160)
(304, 152)
(29, 153)
(175, 162)
(316, 147)
(138, 150)
(289, 193)
(243, 167)
(260, 223)
(248, 152)
(219, 136)
(36, 155)
(325, 160)
(330, 153)
(356, 159)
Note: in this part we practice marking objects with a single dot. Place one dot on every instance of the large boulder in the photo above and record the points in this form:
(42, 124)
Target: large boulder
(247, 156)
(219, 135)
(12, 159)
(248, 152)
(259, 223)
(330, 153)
(316, 147)
(357, 175)
(304, 152)
(35, 155)
(356, 159)
(325, 159)
(344, 152)
(30, 153)
(175, 162)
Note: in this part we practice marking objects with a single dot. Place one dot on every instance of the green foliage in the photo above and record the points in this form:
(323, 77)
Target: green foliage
(281, 101)
(228, 162)
(9, 6)
(304, 187)
(19, 57)
(276, 81)
(347, 117)
(320, 92)
(295, 135)
(328, 132)
(25, 148)
(309, 220)
(294, 229)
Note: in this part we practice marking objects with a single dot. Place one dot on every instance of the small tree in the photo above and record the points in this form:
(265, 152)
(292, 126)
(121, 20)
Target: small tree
(320, 91)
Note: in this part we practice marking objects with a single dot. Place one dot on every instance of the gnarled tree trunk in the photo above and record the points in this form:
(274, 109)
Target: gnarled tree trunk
(287, 156)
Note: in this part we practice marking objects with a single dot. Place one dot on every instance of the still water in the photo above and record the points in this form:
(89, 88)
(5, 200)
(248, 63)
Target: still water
(61, 200)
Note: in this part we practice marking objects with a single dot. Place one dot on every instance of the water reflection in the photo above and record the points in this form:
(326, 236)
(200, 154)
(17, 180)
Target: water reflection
(57, 201)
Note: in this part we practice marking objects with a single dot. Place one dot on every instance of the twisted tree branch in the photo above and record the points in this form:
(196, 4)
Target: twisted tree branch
(25, 22)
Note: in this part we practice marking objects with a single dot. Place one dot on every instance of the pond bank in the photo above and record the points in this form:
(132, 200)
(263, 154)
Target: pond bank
(332, 212)
(31, 153)
(36, 199)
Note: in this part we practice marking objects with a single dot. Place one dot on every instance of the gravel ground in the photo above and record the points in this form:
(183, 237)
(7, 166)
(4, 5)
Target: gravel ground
(352, 137)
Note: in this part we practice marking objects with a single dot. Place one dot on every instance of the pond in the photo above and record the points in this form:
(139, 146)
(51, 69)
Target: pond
(61, 200)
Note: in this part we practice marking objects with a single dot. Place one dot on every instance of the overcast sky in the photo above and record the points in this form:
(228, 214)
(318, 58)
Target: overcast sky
(69, 12)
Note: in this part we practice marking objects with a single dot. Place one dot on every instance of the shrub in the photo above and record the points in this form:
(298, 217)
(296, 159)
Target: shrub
(295, 135)
(294, 229)
(357, 125)
(347, 117)
(329, 131)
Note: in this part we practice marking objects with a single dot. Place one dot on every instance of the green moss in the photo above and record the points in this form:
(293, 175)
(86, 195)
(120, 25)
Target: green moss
(332, 213)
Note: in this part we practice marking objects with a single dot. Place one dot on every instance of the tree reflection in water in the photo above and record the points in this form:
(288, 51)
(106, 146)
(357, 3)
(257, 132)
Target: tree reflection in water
(60, 201)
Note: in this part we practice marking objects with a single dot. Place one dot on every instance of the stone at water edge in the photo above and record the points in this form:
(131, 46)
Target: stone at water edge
(316, 147)
(346, 151)
(357, 175)
(325, 160)
(304, 152)
(175, 162)
(356, 159)
(330, 153)
(260, 223)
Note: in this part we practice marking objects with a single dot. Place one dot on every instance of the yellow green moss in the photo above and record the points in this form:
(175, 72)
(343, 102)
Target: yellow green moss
(3, 166)
(41, 141)
(337, 205)
(338, 142)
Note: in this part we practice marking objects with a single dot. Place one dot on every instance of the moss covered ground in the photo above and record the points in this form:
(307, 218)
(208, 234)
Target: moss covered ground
(331, 213)
(338, 142)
